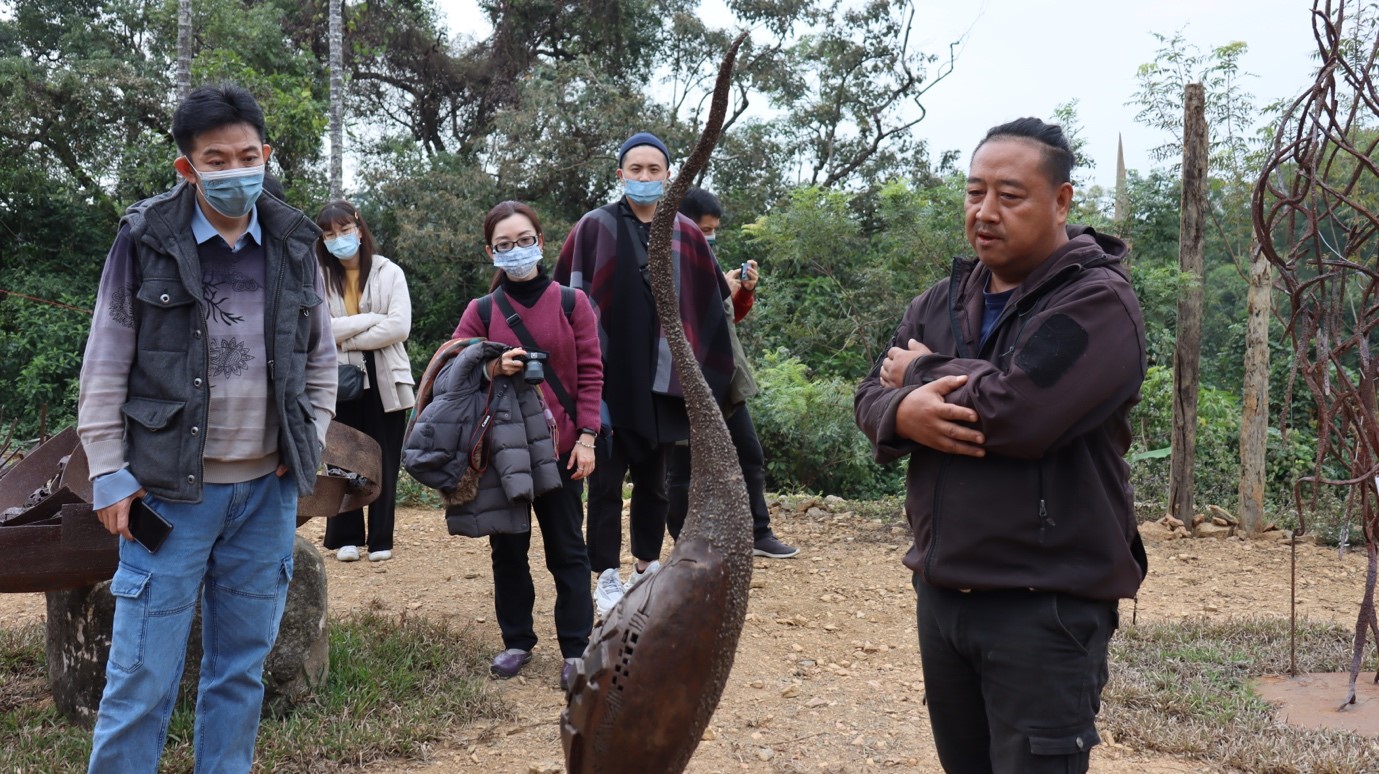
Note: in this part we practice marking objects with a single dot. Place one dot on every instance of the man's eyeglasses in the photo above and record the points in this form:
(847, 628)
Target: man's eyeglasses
(522, 241)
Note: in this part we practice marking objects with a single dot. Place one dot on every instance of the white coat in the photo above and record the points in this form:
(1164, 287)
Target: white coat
(382, 326)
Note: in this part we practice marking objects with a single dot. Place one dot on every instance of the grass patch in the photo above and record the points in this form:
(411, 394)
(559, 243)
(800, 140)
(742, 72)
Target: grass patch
(1184, 689)
(396, 685)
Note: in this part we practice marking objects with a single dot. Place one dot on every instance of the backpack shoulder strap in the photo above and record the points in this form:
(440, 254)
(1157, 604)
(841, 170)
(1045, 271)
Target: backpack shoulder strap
(567, 300)
(486, 310)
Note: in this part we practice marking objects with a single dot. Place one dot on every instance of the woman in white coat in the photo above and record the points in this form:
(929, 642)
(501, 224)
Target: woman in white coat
(371, 315)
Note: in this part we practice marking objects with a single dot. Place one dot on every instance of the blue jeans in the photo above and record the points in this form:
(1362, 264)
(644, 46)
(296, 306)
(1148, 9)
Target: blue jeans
(235, 549)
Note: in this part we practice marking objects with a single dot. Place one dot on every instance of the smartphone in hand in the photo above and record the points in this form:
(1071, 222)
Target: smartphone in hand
(746, 267)
(148, 528)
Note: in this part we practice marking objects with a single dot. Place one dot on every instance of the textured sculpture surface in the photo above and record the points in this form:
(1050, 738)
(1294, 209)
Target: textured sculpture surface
(654, 671)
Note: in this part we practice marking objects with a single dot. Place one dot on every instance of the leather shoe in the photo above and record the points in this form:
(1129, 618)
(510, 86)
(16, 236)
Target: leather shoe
(509, 663)
(567, 673)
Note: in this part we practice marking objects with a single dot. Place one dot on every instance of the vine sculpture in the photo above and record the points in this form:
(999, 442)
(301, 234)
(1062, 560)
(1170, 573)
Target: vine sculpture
(1314, 210)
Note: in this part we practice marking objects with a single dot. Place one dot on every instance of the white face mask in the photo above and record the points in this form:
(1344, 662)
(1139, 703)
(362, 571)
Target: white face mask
(519, 262)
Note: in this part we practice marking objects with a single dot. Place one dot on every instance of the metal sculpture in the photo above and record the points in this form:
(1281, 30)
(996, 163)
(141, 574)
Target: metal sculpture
(52, 539)
(1316, 215)
(653, 673)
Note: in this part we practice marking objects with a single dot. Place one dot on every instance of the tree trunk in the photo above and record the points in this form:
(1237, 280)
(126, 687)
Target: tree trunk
(1187, 354)
(1255, 422)
(337, 98)
(184, 49)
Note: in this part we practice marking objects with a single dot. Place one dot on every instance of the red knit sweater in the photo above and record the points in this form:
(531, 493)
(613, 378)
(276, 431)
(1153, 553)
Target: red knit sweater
(573, 346)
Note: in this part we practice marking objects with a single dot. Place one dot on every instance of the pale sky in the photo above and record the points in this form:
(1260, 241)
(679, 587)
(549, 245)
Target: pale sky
(1025, 57)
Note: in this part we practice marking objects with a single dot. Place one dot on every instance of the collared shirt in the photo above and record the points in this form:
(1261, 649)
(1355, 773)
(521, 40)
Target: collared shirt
(108, 489)
(202, 230)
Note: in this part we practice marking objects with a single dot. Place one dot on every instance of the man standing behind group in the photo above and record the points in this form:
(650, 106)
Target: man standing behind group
(206, 388)
(706, 211)
(1009, 385)
(606, 257)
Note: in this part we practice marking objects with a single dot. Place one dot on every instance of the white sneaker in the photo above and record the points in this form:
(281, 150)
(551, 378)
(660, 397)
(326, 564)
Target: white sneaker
(607, 592)
(380, 556)
(348, 554)
(639, 576)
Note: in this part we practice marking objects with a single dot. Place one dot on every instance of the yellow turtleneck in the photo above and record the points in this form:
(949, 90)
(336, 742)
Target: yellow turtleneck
(351, 286)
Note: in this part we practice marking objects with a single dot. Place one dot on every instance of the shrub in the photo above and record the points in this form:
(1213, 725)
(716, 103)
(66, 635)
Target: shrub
(811, 441)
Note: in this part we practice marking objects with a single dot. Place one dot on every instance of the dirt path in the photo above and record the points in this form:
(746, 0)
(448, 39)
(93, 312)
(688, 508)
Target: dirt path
(827, 674)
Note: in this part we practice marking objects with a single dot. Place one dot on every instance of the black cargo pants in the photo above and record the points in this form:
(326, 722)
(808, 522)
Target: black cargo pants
(1013, 679)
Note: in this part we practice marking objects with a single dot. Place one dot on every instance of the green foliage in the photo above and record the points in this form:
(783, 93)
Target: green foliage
(806, 428)
(414, 494)
(1216, 457)
(839, 269)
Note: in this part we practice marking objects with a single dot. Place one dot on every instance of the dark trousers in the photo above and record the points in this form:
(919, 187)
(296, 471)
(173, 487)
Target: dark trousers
(615, 458)
(1013, 679)
(559, 515)
(749, 456)
(366, 415)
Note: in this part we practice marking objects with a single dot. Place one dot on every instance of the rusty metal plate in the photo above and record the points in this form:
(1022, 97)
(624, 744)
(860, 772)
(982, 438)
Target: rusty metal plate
(77, 475)
(351, 450)
(47, 508)
(35, 560)
(37, 468)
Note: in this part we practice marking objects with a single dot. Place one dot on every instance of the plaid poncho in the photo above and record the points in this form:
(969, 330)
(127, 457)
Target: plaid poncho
(604, 256)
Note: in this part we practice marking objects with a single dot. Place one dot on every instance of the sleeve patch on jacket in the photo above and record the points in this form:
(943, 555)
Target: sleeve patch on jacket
(1052, 350)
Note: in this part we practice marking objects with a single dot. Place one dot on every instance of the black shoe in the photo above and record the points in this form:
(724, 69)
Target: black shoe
(771, 547)
(509, 663)
(567, 673)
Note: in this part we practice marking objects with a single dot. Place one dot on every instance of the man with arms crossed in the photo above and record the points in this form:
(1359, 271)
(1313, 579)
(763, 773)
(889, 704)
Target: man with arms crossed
(206, 388)
(1009, 385)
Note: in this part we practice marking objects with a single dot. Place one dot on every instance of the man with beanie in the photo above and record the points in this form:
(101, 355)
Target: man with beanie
(206, 389)
(605, 255)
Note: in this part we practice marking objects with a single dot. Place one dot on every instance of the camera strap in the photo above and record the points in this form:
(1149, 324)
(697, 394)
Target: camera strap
(514, 322)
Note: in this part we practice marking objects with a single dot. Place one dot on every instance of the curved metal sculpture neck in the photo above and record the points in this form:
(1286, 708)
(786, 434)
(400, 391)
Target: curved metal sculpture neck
(653, 673)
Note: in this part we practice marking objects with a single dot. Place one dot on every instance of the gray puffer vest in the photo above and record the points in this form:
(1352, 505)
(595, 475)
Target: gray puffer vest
(166, 414)
(486, 446)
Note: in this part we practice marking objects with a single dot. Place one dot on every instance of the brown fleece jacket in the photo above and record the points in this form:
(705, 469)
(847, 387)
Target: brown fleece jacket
(1049, 507)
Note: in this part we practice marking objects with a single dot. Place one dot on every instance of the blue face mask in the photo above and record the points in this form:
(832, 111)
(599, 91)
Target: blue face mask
(344, 247)
(232, 192)
(645, 192)
(711, 239)
(519, 262)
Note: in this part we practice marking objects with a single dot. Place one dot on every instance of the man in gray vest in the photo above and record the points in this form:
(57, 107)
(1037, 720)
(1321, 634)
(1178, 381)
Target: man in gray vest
(206, 388)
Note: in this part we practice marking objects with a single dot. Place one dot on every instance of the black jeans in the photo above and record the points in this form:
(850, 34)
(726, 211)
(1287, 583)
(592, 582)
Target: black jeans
(1013, 678)
(749, 456)
(558, 514)
(614, 458)
(366, 415)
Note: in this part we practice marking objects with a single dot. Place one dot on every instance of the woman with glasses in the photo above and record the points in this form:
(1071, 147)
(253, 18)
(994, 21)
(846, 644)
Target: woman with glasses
(534, 316)
(371, 315)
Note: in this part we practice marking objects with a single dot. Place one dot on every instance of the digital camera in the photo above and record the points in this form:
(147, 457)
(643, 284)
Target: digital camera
(533, 370)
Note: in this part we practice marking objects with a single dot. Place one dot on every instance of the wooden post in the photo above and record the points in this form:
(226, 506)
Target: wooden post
(1187, 354)
(1254, 424)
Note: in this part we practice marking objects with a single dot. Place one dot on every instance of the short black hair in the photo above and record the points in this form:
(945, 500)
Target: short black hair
(211, 107)
(1058, 153)
(698, 203)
